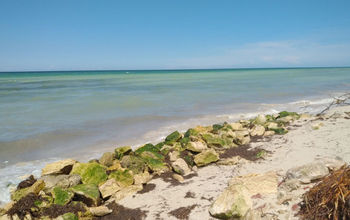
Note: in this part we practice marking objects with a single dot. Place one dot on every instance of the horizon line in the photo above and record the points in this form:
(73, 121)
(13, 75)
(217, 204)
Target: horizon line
(166, 69)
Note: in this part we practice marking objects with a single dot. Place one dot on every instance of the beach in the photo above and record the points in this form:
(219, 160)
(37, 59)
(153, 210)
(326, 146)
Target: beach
(310, 139)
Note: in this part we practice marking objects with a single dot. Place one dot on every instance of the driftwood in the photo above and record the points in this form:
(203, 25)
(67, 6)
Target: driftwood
(337, 101)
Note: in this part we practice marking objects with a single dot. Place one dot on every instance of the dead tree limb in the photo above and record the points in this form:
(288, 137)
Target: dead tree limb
(337, 101)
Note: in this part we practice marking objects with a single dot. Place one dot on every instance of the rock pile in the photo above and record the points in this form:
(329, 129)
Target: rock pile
(84, 190)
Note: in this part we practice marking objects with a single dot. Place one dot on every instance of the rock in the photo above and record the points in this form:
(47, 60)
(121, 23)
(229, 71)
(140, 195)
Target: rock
(234, 202)
(214, 140)
(100, 211)
(115, 166)
(61, 196)
(35, 188)
(5, 217)
(195, 168)
(308, 172)
(87, 193)
(124, 178)
(290, 185)
(109, 188)
(133, 163)
(107, 159)
(121, 151)
(196, 146)
(332, 163)
(242, 137)
(64, 181)
(260, 120)
(265, 183)
(173, 137)
(236, 126)
(127, 191)
(59, 167)
(178, 177)
(271, 125)
(67, 216)
(286, 119)
(206, 157)
(90, 173)
(257, 130)
(180, 166)
(142, 178)
(174, 155)
(268, 133)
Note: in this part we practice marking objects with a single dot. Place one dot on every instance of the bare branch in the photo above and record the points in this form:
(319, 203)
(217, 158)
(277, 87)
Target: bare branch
(338, 101)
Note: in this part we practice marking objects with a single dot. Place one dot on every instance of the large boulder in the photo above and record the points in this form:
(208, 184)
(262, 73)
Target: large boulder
(87, 193)
(127, 191)
(108, 188)
(59, 167)
(107, 159)
(236, 126)
(64, 181)
(90, 173)
(35, 188)
(308, 172)
(142, 178)
(197, 146)
(214, 140)
(234, 202)
(61, 196)
(180, 166)
(121, 151)
(206, 157)
(124, 178)
(242, 137)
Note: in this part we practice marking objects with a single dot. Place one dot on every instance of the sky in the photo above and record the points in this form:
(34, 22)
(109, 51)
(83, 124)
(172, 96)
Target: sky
(167, 34)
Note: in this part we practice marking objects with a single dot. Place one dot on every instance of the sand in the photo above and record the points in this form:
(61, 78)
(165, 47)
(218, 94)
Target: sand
(303, 144)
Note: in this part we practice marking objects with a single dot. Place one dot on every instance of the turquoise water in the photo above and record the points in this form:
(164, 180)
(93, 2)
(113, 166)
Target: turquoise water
(45, 113)
(52, 115)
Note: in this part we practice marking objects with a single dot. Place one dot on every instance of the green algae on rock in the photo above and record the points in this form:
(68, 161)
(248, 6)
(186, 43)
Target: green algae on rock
(91, 173)
(121, 151)
(206, 157)
(173, 137)
(61, 196)
(88, 193)
(35, 188)
(123, 178)
(69, 216)
(107, 159)
(133, 163)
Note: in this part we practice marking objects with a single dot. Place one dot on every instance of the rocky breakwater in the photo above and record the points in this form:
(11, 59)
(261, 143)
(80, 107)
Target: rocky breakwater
(69, 189)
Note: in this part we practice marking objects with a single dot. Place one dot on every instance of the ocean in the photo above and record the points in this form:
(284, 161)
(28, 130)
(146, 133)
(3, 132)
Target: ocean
(46, 116)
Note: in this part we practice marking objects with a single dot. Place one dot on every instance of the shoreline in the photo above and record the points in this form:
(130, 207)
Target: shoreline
(244, 167)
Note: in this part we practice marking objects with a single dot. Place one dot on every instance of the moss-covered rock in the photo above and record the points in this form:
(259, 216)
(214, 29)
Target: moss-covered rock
(196, 146)
(260, 120)
(115, 166)
(124, 178)
(35, 188)
(173, 137)
(214, 140)
(87, 193)
(91, 173)
(61, 196)
(133, 163)
(121, 151)
(156, 165)
(69, 216)
(206, 157)
(148, 148)
(107, 159)
(292, 114)
(279, 130)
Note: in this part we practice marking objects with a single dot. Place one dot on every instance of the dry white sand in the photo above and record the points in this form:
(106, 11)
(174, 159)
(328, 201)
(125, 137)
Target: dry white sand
(301, 145)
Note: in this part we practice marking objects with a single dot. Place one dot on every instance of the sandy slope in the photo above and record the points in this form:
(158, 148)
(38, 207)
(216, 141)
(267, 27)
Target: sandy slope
(301, 145)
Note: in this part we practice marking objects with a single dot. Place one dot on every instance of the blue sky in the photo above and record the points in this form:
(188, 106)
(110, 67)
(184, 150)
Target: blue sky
(73, 34)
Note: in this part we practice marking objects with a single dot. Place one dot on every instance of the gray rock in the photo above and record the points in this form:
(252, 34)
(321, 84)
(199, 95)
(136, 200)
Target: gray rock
(107, 159)
(64, 181)
(180, 166)
(308, 172)
(100, 211)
